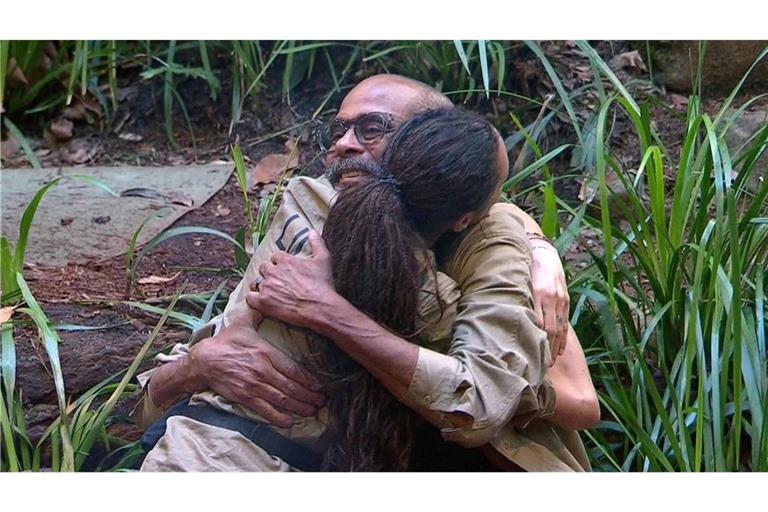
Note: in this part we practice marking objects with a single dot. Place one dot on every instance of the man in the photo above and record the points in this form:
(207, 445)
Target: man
(266, 381)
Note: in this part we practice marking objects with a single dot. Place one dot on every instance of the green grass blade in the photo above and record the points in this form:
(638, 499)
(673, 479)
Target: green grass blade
(168, 96)
(24, 143)
(90, 436)
(186, 230)
(8, 285)
(8, 361)
(5, 48)
(501, 63)
(599, 63)
(9, 460)
(482, 50)
(462, 54)
(51, 344)
(515, 180)
(536, 49)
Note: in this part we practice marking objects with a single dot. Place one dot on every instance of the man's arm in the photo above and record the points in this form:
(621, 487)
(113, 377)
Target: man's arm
(237, 363)
(236, 367)
(470, 392)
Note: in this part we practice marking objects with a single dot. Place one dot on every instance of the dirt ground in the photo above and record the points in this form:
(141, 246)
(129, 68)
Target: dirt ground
(87, 294)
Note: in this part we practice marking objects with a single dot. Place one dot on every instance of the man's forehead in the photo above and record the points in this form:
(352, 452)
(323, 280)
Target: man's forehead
(392, 97)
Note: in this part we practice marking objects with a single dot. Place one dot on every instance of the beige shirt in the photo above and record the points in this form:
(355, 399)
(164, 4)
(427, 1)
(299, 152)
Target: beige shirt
(483, 359)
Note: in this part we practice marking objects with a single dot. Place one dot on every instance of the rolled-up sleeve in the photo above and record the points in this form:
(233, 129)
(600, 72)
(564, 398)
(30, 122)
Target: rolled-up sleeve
(146, 412)
(495, 368)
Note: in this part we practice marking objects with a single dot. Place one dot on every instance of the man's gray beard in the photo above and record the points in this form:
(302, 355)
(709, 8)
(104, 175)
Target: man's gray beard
(353, 163)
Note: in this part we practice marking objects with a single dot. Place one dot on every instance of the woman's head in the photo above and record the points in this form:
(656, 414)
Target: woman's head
(442, 170)
(448, 166)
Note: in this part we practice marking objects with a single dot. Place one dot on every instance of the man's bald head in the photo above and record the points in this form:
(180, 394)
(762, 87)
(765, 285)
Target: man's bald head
(418, 96)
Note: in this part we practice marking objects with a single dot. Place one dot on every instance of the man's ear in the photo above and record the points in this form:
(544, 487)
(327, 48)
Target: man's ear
(463, 222)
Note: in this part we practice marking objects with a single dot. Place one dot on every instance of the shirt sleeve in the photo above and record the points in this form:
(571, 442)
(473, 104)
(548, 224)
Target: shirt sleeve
(305, 205)
(146, 412)
(495, 368)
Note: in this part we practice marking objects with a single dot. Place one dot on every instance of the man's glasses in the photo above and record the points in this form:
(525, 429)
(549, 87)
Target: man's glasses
(369, 129)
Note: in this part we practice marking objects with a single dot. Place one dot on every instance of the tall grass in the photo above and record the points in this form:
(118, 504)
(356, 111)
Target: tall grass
(80, 424)
(39, 77)
(674, 307)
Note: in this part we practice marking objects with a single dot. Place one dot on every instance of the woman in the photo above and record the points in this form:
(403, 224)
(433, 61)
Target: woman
(441, 173)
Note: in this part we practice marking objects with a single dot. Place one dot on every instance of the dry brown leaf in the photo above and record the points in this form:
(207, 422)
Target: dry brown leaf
(291, 145)
(91, 105)
(158, 280)
(17, 75)
(79, 151)
(222, 211)
(10, 147)
(678, 102)
(629, 60)
(588, 189)
(271, 167)
(130, 137)
(583, 73)
(75, 112)
(181, 198)
(146, 193)
(6, 314)
(61, 129)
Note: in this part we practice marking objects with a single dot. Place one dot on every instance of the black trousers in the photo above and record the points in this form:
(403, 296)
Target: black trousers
(432, 453)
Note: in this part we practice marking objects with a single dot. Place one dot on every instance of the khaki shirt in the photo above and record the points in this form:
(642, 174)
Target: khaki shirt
(482, 360)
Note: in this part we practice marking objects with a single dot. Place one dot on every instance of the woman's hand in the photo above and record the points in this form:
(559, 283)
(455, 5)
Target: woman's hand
(551, 302)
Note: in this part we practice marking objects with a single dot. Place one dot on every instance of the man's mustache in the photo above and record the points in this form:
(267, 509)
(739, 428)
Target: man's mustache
(335, 171)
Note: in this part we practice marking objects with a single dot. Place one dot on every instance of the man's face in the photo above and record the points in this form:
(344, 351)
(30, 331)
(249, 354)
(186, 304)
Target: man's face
(374, 95)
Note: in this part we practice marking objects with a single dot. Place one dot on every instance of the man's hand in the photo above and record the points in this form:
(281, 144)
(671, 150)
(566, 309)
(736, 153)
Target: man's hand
(294, 288)
(551, 302)
(243, 368)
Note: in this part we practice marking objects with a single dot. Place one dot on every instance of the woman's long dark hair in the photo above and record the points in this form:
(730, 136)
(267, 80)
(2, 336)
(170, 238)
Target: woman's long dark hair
(440, 165)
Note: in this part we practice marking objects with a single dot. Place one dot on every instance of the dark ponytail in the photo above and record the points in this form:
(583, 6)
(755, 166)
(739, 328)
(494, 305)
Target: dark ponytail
(440, 165)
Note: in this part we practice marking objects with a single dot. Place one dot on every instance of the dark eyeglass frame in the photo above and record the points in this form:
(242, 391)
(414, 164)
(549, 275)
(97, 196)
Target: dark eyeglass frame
(326, 140)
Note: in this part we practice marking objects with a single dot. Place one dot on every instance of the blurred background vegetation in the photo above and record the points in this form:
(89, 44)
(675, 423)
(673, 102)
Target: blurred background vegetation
(659, 211)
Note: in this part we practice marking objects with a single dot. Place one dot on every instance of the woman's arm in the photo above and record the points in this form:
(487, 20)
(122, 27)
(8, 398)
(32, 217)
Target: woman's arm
(577, 406)
(550, 290)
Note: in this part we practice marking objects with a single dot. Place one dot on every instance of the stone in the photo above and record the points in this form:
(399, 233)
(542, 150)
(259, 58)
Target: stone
(739, 133)
(674, 65)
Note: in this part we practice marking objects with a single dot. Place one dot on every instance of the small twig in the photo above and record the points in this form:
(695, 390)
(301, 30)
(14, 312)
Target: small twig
(526, 151)
(277, 133)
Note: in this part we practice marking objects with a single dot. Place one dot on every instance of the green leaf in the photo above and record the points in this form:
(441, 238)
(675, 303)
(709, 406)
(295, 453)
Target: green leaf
(8, 361)
(462, 54)
(24, 143)
(186, 230)
(51, 343)
(484, 67)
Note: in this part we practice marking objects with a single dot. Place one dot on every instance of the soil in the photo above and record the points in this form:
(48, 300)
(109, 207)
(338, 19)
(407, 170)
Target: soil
(89, 294)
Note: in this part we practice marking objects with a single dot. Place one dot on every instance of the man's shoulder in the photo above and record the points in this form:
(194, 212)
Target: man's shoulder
(306, 198)
(501, 230)
(304, 189)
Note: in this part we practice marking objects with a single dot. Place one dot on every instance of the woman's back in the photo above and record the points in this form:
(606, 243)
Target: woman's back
(305, 206)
